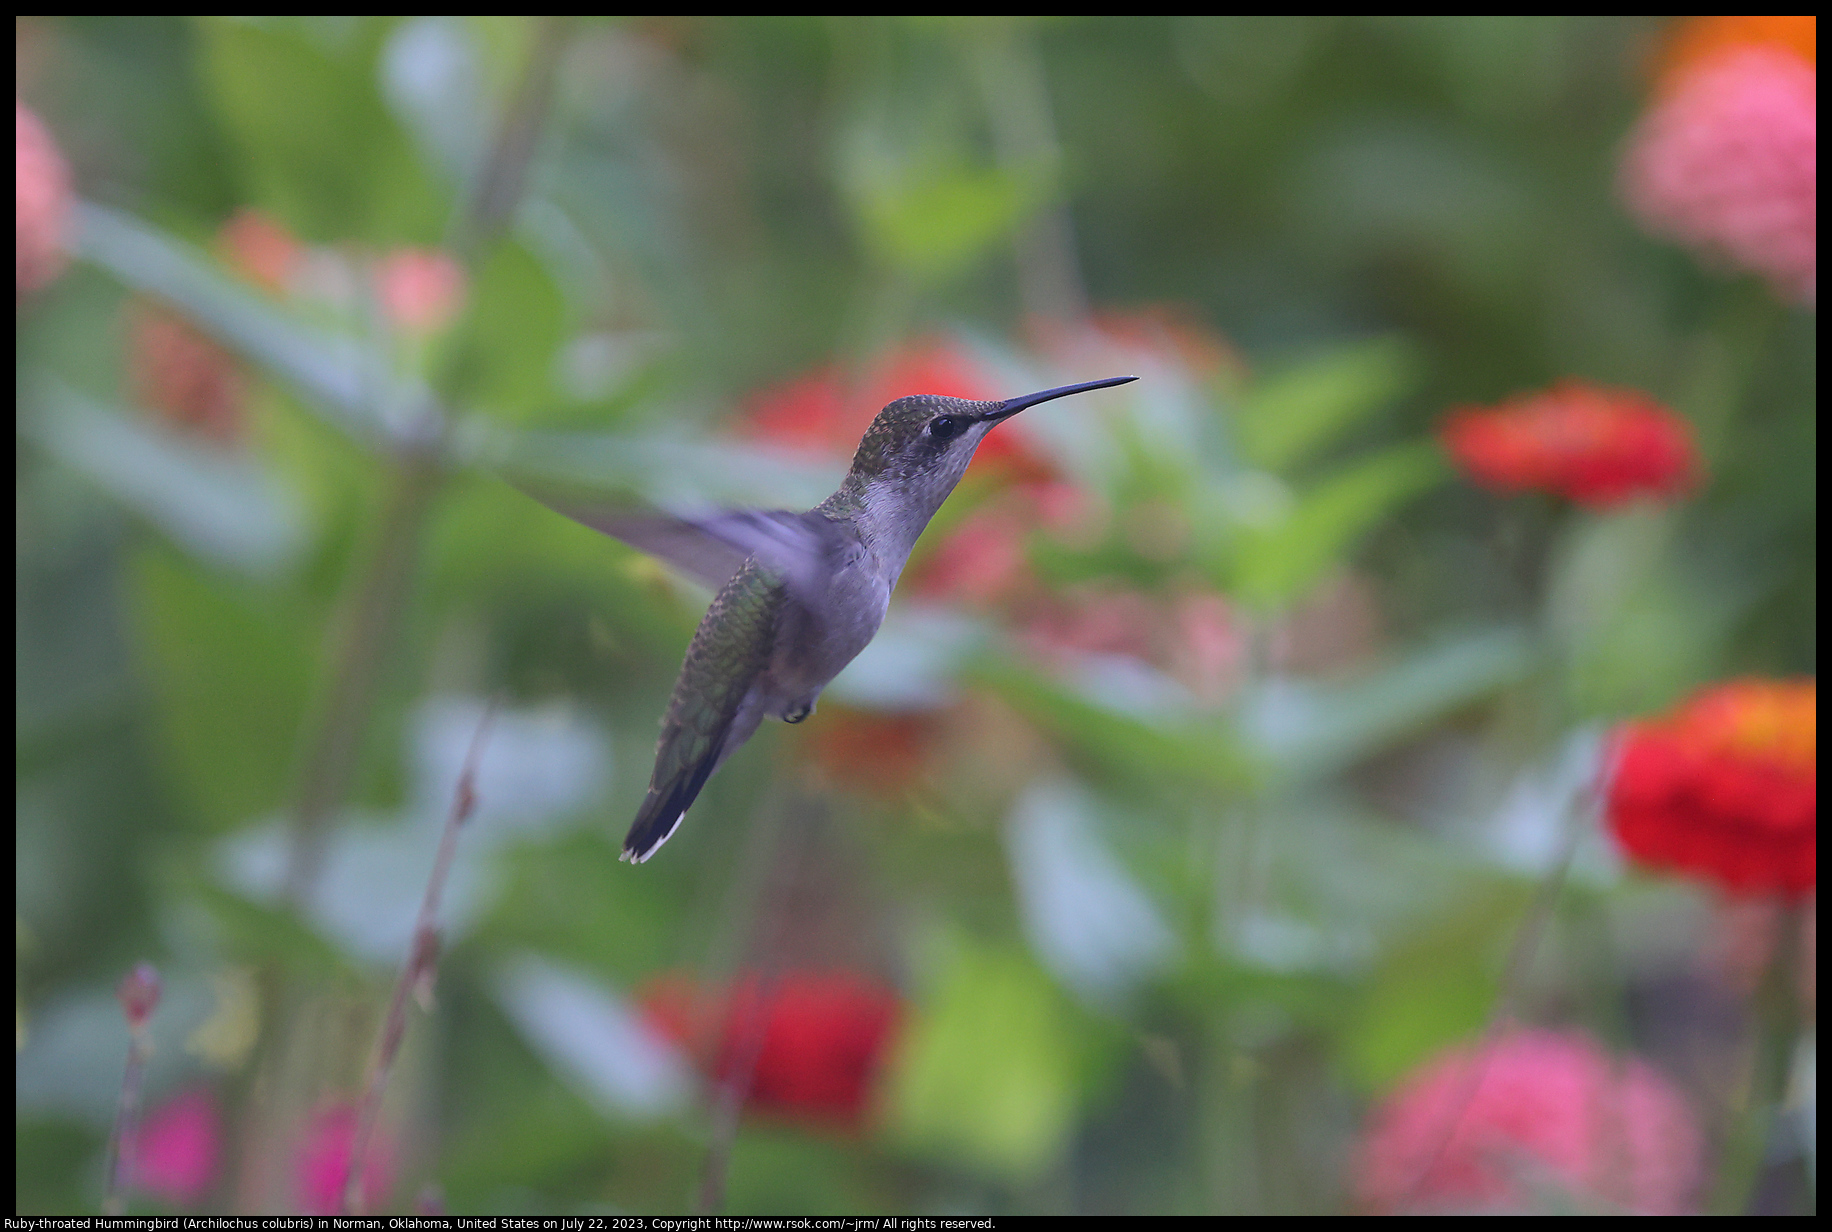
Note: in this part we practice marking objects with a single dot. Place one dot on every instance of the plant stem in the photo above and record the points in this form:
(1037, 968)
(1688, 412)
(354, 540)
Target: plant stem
(1759, 1102)
(127, 1114)
(417, 973)
(380, 594)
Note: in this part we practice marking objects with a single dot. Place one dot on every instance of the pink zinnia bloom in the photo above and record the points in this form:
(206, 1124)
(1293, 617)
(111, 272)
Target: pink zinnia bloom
(1727, 163)
(178, 1146)
(323, 1163)
(41, 181)
(1534, 1113)
(420, 289)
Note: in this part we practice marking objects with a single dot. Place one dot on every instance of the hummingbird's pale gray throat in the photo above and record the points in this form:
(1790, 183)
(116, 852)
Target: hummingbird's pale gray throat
(798, 595)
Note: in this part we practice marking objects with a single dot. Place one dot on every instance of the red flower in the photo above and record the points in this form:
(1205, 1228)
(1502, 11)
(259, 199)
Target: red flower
(1725, 787)
(186, 377)
(261, 248)
(816, 412)
(41, 182)
(1485, 1130)
(322, 1167)
(882, 754)
(982, 559)
(815, 1041)
(178, 1146)
(1597, 446)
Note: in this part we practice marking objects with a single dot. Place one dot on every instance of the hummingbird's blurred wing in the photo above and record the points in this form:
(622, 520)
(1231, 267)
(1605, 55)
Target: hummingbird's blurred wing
(798, 547)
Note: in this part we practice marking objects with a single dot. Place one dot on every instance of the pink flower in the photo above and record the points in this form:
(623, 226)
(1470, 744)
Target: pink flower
(1726, 162)
(1490, 1129)
(323, 1163)
(41, 181)
(178, 1147)
(420, 289)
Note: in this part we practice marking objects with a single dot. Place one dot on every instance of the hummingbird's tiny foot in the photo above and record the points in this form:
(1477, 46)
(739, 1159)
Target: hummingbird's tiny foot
(798, 714)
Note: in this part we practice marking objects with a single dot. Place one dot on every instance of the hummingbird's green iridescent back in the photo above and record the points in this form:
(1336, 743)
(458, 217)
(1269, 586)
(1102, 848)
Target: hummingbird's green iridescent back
(729, 650)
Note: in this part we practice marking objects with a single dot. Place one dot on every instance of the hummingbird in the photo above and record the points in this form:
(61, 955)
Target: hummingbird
(797, 595)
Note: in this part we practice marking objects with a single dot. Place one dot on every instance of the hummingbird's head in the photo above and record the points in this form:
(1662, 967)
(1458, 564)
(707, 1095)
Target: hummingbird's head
(924, 442)
(912, 456)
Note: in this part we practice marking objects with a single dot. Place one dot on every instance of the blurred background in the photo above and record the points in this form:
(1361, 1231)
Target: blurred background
(1228, 756)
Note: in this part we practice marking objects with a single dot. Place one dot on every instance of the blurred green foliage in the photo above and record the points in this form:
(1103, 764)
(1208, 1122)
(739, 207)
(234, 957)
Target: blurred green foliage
(1365, 221)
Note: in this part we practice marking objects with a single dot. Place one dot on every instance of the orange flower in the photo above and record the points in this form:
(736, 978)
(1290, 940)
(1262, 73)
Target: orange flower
(1697, 39)
(1134, 337)
(1725, 787)
(261, 248)
(1597, 446)
(41, 183)
(813, 1041)
(815, 411)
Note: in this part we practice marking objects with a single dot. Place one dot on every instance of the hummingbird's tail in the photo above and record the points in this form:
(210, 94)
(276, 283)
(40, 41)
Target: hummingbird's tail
(684, 759)
(662, 810)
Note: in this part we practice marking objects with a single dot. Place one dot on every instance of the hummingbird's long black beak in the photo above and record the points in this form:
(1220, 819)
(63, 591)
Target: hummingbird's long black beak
(1011, 406)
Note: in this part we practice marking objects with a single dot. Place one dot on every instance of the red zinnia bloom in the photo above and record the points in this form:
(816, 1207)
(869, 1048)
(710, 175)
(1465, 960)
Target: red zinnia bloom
(41, 182)
(1726, 160)
(177, 1147)
(1725, 787)
(1485, 1129)
(814, 1041)
(1597, 446)
(186, 377)
(816, 412)
(882, 754)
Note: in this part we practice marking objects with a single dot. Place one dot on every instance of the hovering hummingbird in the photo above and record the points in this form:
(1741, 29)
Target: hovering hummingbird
(798, 595)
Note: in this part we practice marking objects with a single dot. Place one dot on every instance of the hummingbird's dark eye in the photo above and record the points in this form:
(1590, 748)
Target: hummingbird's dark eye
(945, 428)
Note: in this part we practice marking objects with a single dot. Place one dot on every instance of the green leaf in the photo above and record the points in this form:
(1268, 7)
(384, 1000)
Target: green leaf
(1275, 563)
(232, 674)
(933, 217)
(1180, 746)
(502, 353)
(1307, 731)
(1432, 991)
(986, 1067)
(318, 143)
(223, 507)
(1288, 417)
